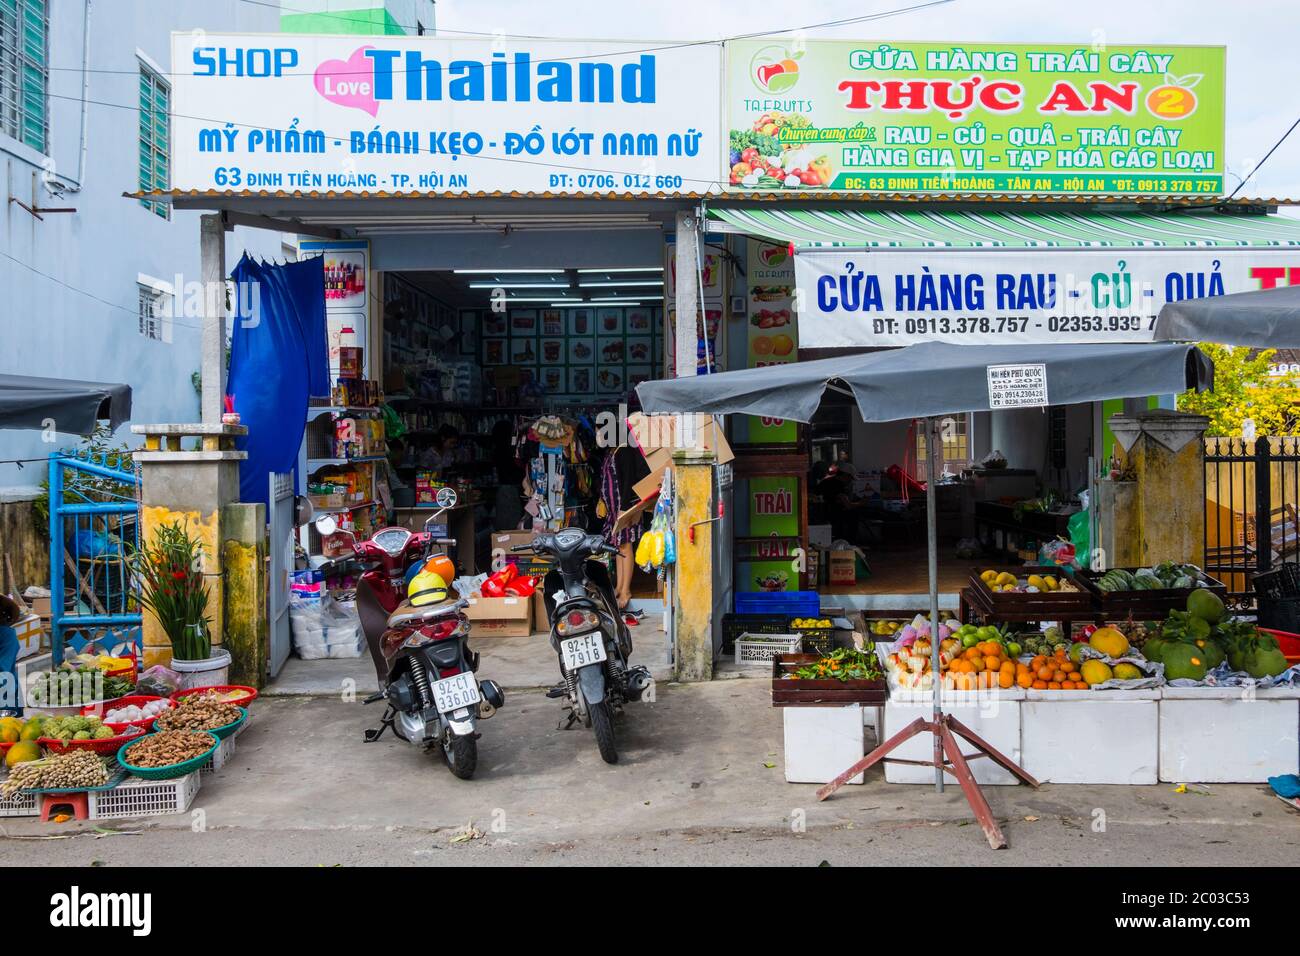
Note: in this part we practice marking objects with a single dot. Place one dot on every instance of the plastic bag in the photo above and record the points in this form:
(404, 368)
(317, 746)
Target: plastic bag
(1080, 526)
(158, 681)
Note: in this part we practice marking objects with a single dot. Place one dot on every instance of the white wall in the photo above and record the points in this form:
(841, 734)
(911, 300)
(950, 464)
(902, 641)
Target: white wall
(70, 280)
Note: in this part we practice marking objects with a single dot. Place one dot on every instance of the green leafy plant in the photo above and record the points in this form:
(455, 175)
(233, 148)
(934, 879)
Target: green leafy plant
(171, 586)
(1244, 389)
(842, 664)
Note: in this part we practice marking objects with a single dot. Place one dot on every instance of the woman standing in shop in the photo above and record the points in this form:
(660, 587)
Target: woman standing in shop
(623, 467)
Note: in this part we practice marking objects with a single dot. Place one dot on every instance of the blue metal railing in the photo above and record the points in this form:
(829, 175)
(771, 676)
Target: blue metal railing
(94, 530)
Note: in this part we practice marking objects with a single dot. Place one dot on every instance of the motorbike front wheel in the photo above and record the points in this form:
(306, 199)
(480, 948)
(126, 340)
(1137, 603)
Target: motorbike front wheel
(602, 722)
(461, 753)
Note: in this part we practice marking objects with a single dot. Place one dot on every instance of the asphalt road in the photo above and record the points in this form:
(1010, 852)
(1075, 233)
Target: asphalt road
(699, 782)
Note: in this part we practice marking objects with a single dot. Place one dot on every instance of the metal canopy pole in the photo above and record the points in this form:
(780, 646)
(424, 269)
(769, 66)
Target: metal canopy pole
(932, 560)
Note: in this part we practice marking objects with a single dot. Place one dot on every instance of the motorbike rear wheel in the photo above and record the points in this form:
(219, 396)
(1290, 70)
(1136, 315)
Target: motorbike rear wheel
(602, 722)
(461, 753)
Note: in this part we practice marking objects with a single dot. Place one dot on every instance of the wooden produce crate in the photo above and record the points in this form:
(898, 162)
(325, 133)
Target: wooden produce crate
(1049, 604)
(1143, 605)
(812, 693)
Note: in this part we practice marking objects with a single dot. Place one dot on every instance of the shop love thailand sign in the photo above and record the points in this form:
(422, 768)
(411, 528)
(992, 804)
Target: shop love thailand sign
(872, 117)
(423, 115)
(1015, 296)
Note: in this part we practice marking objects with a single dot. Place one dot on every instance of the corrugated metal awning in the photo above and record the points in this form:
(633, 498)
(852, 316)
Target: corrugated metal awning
(966, 229)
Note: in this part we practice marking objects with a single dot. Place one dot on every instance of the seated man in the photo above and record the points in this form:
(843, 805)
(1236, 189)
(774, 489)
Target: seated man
(10, 704)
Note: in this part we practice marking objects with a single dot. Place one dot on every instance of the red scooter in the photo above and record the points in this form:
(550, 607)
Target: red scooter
(421, 653)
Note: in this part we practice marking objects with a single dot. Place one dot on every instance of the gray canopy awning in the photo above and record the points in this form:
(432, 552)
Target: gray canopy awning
(934, 378)
(70, 406)
(1265, 318)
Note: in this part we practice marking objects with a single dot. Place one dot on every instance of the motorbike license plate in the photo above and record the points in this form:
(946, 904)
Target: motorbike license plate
(581, 651)
(452, 693)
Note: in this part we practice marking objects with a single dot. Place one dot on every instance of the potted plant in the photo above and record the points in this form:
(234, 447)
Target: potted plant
(169, 569)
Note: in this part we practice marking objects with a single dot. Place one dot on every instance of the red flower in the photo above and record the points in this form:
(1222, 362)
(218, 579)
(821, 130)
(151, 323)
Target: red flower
(178, 575)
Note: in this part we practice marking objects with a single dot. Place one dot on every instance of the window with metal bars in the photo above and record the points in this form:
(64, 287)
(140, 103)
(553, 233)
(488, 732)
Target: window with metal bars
(155, 137)
(155, 308)
(24, 72)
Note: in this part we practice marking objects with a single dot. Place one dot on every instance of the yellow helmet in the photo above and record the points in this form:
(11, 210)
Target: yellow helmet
(426, 588)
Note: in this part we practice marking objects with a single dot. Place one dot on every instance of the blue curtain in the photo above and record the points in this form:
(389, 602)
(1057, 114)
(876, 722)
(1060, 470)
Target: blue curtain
(278, 358)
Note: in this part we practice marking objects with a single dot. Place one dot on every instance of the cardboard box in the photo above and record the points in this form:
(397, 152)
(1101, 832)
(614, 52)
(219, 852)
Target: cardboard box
(350, 361)
(541, 622)
(40, 606)
(843, 567)
(30, 631)
(500, 617)
(653, 433)
(506, 540)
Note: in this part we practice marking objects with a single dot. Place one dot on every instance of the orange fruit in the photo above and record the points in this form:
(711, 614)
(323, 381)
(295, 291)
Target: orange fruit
(1074, 676)
(1044, 672)
(1008, 668)
(977, 663)
(782, 345)
(762, 345)
(1039, 685)
(1024, 679)
(1006, 679)
(1053, 685)
(1037, 662)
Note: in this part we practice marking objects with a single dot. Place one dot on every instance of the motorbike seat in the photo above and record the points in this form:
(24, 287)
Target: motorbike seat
(408, 616)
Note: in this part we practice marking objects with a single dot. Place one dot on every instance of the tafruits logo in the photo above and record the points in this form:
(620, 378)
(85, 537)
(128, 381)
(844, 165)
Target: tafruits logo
(773, 255)
(775, 69)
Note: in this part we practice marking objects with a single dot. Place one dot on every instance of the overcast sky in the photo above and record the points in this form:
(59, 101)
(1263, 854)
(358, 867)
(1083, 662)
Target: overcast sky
(1262, 37)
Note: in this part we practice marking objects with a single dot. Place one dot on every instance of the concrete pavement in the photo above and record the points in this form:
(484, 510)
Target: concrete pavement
(694, 785)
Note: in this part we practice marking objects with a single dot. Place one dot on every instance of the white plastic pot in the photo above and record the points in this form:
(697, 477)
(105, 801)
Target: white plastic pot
(214, 670)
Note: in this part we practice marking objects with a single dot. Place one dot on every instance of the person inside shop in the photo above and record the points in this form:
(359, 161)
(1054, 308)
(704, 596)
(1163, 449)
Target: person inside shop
(510, 476)
(623, 467)
(441, 452)
(842, 509)
(10, 704)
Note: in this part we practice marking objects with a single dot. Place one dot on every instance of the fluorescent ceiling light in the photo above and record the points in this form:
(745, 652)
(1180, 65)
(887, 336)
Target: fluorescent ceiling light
(620, 283)
(632, 269)
(506, 272)
(611, 302)
(518, 285)
(538, 298)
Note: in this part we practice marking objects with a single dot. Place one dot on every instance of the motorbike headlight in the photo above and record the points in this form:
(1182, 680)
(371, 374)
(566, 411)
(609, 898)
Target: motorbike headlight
(577, 622)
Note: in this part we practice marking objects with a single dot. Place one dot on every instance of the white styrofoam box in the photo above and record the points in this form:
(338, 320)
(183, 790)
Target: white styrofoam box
(1090, 736)
(993, 715)
(874, 717)
(822, 742)
(1228, 734)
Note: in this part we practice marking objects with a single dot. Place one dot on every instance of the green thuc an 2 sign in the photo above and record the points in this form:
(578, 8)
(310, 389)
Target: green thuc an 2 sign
(840, 115)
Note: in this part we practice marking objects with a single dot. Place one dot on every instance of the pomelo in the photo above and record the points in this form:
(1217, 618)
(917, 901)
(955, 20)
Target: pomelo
(1206, 605)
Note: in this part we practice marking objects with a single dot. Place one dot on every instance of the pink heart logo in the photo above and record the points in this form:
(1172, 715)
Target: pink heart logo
(349, 82)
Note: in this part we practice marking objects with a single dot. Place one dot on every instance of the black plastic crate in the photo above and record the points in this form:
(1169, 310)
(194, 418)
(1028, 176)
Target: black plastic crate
(816, 640)
(1280, 583)
(734, 625)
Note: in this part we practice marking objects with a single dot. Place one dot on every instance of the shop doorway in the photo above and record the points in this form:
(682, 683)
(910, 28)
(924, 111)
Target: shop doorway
(508, 384)
(1010, 481)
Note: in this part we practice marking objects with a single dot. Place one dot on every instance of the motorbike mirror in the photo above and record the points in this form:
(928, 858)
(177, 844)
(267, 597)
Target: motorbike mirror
(327, 524)
(303, 511)
(446, 498)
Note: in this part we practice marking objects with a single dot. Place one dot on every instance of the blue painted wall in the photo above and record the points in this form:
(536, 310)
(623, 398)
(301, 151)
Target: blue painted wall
(68, 292)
